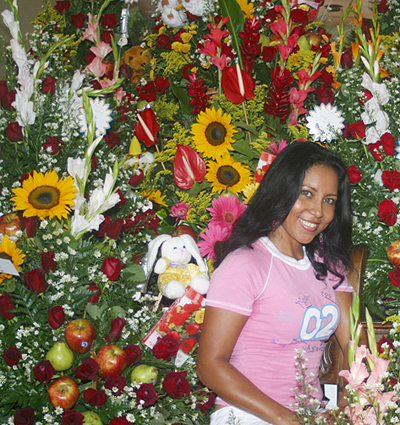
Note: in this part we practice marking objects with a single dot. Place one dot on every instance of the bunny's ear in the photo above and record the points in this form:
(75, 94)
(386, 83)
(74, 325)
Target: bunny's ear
(154, 246)
(191, 246)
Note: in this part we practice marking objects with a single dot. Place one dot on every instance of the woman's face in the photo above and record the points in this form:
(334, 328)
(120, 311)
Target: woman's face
(311, 213)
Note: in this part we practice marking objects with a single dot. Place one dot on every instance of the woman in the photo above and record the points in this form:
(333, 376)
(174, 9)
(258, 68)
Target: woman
(280, 285)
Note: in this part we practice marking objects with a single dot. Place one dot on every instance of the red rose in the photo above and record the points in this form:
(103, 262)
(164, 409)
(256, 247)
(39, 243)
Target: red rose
(146, 393)
(109, 20)
(163, 42)
(112, 139)
(95, 297)
(147, 92)
(122, 199)
(187, 345)
(104, 226)
(112, 267)
(206, 400)
(357, 130)
(78, 20)
(6, 97)
(355, 175)
(391, 179)
(387, 211)
(162, 84)
(115, 228)
(56, 316)
(13, 132)
(389, 343)
(178, 319)
(62, 6)
(134, 354)
(6, 305)
(44, 371)
(29, 224)
(54, 144)
(119, 421)
(95, 397)
(117, 325)
(176, 385)
(24, 416)
(324, 95)
(388, 144)
(383, 6)
(48, 261)
(395, 277)
(375, 149)
(165, 347)
(115, 381)
(88, 370)
(346, 61)
(49, 85)
(137, 178)
(105, 36)
(72, 417)
(35, 280)
(12, 355)
(93, 163)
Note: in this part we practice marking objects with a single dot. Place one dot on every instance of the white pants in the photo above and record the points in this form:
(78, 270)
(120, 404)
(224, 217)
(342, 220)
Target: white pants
(230, 415)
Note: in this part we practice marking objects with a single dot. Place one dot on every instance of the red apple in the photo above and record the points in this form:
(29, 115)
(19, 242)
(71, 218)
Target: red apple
(393, 253)
(112, 360)
(80, 334)
(10, 224)
(63, 392)
(184, 229)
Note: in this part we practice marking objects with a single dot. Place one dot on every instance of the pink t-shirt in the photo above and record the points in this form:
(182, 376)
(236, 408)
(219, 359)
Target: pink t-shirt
(288, 308)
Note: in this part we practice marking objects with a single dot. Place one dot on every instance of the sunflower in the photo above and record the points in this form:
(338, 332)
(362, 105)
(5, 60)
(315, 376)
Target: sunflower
(213, 133)
(9, 250)
(249, 191)
(228, 174)
(44, 195)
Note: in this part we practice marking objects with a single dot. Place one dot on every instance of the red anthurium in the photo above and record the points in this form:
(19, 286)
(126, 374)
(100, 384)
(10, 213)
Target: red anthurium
(147, 127)
(189, 167)
(237, 84)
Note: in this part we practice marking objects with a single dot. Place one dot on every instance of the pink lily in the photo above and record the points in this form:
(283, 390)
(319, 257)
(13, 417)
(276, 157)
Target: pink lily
(90, 32)
(356, 376)
(97, 67)
(101, 50)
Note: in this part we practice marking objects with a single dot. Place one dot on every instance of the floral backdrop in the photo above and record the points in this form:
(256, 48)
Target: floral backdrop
(115, 129)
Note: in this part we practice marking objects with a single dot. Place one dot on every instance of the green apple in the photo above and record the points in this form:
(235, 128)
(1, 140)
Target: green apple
(60, 356)
(303, 43)
(91, 418)
(144, 374)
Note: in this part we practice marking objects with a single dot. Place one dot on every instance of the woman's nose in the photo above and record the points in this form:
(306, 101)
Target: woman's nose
(316, 209)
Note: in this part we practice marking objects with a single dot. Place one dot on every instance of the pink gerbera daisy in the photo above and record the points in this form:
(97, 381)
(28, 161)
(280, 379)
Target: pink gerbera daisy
(225, 210)
(210, 236)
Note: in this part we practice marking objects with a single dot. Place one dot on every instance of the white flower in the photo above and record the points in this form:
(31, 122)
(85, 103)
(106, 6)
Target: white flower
(81, 224)
(18, 53)
(11, 24)
(77, 81)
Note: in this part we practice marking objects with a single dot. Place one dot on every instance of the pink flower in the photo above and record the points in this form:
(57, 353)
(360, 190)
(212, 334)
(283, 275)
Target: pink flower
(90, 32)
(279, 28)
(97, 67)
(277, 147)
(357, 374)
(381, 366)
(209, 49)
(101, 50)
(217, 35)
(210, 236)
(180, 210)
(225, 210)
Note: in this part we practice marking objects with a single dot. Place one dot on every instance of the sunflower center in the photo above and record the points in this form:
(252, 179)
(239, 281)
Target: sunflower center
(228, 176)
(44, 197)
(215, 133)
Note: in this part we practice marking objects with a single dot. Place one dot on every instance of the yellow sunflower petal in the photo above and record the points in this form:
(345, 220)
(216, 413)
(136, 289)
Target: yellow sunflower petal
(10, 249)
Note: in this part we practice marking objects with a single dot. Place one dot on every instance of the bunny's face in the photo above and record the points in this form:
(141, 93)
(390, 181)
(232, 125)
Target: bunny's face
(176, 251)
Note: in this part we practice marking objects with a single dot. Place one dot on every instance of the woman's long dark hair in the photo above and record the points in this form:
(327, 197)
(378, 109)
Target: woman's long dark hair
(275, 197)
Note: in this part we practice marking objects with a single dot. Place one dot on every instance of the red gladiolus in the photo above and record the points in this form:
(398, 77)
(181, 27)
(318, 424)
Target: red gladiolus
(56, 316)
(49, 85)
(6, 305)
(355, 175)
(237, 84)
(387, 212)
(189, 167)
(62, 6)
(391, 179)
(35, 280)
(112, 267)
(13, 132)
(147, 127)
(78, 20)
(279, 28)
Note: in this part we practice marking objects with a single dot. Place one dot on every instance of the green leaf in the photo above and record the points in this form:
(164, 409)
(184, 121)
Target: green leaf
(182, 97)
(134, 273)
(244, 148)
(95, 311)
(235, 24)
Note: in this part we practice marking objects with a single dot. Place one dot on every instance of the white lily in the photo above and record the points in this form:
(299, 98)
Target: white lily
(77, 81)
(371, 136)
(76, 169)
(18, 53)
(11, 24)
(79, 223)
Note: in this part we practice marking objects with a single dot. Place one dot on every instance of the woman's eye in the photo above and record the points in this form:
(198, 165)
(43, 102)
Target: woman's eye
(306, 193)
(330, 201)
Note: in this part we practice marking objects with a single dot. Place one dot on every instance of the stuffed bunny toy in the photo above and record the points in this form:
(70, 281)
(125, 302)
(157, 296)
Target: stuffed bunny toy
(175, 272)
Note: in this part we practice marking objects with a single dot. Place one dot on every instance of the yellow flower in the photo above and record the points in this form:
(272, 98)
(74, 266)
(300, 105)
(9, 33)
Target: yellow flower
(180, 47)
(247, 8)
(45, 196)
(155, 196)
(249, 191)
(228, 174)
(186, 37)
(213, 133)
(9, 250)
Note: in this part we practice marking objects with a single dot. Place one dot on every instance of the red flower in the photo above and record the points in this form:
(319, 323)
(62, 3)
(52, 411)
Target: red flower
(56, 316)
(62, 6)
(95, 397)
(12, 356)
(49, 85)
(383, 6)
(95, 297)
(192, 328)
(147, 92)
(176, 385)
(109, 20)
(208, 402)
(112, 267)
(48, 261)
(187, 345)
(189, 167)
(268, 53)
(78, 20)
(395, 277)
(237, 84)
(115, 381)
(6, 305)
(115, 228)
(374, 148)
(117, 325)
(119, 421)
(179, 318)
(137, 178)
(163, 42)
(44, 371)
(29, 225)
(134, 354)
(165, 347)
(24, 416)
(105, 36)
(387, 211)
(324, 95)
(389, 343)
(35, 280)
(112, 139)
(357, 129)
(72, 417)
(161, 83)
(147, 128)
(88, 370)
(391, 179)
(13, 132)
(355, 175)
(388, 144)
(6, 97)
(146, 393)
(54, 144)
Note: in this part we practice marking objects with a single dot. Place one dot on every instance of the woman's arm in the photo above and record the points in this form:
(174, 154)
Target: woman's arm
(220, 331)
